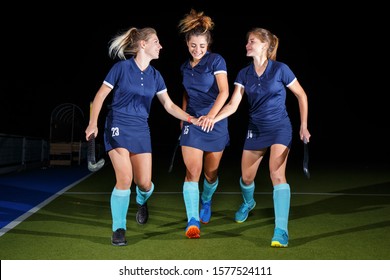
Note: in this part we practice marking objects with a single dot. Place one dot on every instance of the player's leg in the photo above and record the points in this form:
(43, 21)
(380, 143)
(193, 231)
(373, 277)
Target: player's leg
(120, 196)
(250, 163)
(210, 183)
(142, 166)
(281, 194)
(193, 160)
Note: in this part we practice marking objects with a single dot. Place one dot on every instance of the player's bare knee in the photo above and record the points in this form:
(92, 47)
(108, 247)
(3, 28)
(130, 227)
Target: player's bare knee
(246, 180)
(193, 173)
(211, 177)
(144, 186)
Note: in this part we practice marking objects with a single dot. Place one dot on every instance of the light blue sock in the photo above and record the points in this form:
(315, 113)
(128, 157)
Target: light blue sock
(247, 192)
(208, 190)
(282, 197)
(120, 200)
(191, 199)
(142, 196)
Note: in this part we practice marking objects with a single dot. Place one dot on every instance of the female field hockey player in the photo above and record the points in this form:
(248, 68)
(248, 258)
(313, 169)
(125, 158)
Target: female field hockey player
(206, 91)
(134, 83)
(265, 81)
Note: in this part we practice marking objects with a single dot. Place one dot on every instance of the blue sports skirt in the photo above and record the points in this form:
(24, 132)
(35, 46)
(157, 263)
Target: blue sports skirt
(213, 141)
(264, 136)
(129, 132)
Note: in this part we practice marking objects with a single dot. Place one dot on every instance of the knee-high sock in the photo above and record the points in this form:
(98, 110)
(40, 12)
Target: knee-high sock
(142, 196)
(120, 200)
(282, 197)
(247, 192)
(191, 199)
(208, 190)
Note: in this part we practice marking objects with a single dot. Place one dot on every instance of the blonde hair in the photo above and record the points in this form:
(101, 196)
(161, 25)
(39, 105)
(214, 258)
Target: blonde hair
(195, 24)
(266, 36)
(127, 43)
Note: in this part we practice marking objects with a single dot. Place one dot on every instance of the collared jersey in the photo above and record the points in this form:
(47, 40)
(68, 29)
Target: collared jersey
(133, 90)
(266, 93)
(202, 89)
(269, 122)
(200, 83)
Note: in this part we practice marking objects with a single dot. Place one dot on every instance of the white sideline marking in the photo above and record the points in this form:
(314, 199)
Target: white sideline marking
(235, 193)
(21, 218)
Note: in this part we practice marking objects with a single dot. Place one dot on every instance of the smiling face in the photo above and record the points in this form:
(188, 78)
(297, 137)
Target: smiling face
(153, 47)
(254, 47)
(197, 46)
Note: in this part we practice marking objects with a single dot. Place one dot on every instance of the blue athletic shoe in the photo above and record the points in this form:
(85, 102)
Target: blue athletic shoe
(193, 229)
(242, 213)
(205, 211)
(280, 238)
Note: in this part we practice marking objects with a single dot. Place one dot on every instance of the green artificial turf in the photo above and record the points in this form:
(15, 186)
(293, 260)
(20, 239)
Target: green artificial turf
(340, 213)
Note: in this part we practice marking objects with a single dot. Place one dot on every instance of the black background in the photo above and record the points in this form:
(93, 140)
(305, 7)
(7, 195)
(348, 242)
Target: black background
(58, 53)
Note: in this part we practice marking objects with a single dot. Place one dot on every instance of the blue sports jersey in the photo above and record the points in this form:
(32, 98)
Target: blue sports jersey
(202, 89)
(133, 91)
(269, 122)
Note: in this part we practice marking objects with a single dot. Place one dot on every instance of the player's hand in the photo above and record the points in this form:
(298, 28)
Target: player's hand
(206, 123)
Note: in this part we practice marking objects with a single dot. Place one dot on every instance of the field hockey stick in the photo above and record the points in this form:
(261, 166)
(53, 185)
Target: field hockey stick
(174, 154)
(306, 158)
(93, 166)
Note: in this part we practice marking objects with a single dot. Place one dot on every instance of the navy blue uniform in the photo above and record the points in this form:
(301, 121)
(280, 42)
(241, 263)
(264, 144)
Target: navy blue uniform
(269, 122)
(126, 124)
(202, 89)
